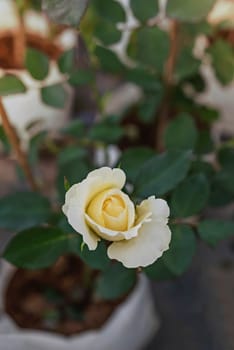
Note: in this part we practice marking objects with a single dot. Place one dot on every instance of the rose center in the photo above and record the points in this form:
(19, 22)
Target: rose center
(113, 206)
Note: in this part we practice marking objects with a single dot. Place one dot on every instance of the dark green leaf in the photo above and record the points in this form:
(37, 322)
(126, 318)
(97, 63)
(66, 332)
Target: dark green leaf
(110, 10)
(132, 159)
(75, 128)
(107, 32)
(54, 95)
(213, 231)
(37, 247)
(37, 64)
(115, 282)
(190, 196)
(108, 60)
(158, 271)
(162, 173)
(106, 132)
(181, 251)
(11, 85)
(204, 143)
(150, 47)
(181, 133)
(144, 11)
(22, 210)
(97, 259)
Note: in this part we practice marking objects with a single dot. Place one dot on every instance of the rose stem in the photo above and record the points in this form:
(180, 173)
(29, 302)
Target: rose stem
(15, 143)
(20, 41)
(164, 110)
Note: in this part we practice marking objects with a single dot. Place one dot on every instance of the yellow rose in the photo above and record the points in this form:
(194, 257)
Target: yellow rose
(98, 209)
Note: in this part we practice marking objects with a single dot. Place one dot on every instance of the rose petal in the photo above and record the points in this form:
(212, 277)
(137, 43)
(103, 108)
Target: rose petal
(111, 235)
(79, 196)
(158, 207)
(153, 239)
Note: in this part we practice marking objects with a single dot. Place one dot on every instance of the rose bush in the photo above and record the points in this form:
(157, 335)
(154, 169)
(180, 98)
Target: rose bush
(97, 208)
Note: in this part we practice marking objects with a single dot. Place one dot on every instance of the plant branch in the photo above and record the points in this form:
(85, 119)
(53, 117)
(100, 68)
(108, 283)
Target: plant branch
(20, 42)
(164, 110)
(15, 143)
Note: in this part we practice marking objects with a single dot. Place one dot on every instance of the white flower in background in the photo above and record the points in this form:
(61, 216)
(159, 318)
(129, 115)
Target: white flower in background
(97, 208)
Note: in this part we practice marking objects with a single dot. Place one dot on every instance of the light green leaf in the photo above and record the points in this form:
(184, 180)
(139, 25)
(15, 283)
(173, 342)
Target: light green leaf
(189, 10)
(54, 95)
(222, 54)
(37, 64)
(11, 85)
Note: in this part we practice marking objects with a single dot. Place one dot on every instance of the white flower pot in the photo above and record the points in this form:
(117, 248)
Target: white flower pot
(131, 326)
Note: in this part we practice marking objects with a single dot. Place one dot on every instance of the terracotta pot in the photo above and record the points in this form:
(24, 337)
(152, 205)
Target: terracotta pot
(131, 326)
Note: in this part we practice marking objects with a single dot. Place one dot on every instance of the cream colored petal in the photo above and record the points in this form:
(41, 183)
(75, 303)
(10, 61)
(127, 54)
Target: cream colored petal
(79, 196)
(114, 176)
(76, 219)
(158, 207)
(153, 239)
(111, 235)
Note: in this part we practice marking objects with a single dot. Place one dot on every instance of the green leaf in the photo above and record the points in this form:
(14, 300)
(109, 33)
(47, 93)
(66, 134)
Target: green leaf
(189, 10)
(149, 107)
(158, 271)
(110, 10)
(22, 210)
(107, 32)
(97, 259)
(106, 132)
(65, 12)
(81, 77)
(66, 61)
(71, 154)
(38, 247)
(222, 54)
(72, 164)
(132, 159)
(54, 95)
(162, 173)
(4, 140)
(37, 64)
(181, 133)
(34, 148)
(75, 128)
(145, 79)
(11, 85)
(187, 65)
(149, 47)
(115, 282)
(204, 142)
(213, 231)
(190, 197)
(226, 158)
(108, 60)
(144, 11)
(181, 251)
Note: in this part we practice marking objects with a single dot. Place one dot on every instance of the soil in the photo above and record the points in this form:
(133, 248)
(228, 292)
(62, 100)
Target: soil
(56, 300)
